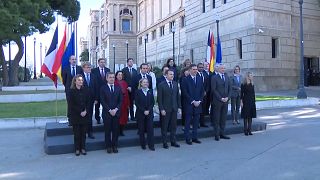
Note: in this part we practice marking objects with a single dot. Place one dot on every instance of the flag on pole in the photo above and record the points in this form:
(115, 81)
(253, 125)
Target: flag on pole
(219, 52)
(208, 48)
(69, 51)
(48, 66)
(60, 52)
(212, 54)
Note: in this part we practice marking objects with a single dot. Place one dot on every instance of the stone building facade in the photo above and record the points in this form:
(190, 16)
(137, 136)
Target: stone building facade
(260, 36)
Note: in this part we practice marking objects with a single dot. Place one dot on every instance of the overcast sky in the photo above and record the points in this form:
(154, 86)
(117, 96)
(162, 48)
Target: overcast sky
(46, 38)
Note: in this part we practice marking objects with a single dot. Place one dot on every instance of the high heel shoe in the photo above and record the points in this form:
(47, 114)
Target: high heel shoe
(250, 133)
(83, 152)
(77, 153)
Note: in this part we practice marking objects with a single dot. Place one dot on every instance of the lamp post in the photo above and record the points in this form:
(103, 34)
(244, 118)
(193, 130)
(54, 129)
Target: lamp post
(34, 59)
(25, 59)
(41, 59)
(10, 62)
(173, 30)
(145, 48)
(127, 44)
(301, 93)
(217, 17)
(114, 57)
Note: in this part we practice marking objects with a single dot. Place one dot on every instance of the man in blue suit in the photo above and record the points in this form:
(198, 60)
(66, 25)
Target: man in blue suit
(193, 95)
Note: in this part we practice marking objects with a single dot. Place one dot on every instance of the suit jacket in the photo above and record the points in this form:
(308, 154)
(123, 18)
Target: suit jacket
(100, 80)
(160, 79)
(143, 102)
(110, 100)
(168, 98)
(67, 76)
(192, 92)
(235, 85)
(129, 78)
(78, 102)
(137, 79)
(93, 87)
(219, 88)
(206, 81)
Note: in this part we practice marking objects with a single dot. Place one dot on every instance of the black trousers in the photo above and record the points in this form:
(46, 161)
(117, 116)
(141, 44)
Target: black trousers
(79, 131)
(111, 128)
(68, 106)
(97, 111)
(235, 106)
(145, 124)
(220, 117)
(90, 113)
(169, 120)
(131, 111)
(205, 108)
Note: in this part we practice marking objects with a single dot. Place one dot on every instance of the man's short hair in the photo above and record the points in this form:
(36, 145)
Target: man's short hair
(143, 64)
(110, 73)
(199, 64)
(167, 71)
(100, 59)
(163, 67)
(84, 64)
(193, 65)
(129, 59)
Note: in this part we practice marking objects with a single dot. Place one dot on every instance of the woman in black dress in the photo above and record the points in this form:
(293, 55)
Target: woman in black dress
(79, 103)
(248, 103)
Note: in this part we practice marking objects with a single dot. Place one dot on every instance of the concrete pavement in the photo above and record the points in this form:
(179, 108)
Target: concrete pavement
(289, 149)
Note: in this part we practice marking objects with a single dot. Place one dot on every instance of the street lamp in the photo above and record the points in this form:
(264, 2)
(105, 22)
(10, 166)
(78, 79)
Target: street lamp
(301, 93)
(25, 59)
(145, 48)
(41, 59)
(34, 59)
(173, 30)
(217, 17)
(127, 43)
(114, 57)
(10, 62)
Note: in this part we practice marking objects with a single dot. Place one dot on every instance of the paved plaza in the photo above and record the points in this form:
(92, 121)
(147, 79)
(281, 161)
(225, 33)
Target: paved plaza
(288, 149)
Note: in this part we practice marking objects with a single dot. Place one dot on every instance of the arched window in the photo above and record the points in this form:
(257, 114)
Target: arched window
(126, 16)
(126, 11)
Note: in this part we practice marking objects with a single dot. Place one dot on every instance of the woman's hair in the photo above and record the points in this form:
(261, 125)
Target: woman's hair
(140, 82)
(118, 73)
(151, 67)
(185, 62)
(174, 64)
(234, 69)
(73, 82)
(246, 79)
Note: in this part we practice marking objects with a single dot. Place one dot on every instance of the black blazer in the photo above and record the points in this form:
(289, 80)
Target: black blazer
(219, 88)
(137, 79)
(110, 100)
(168, 98)
(100, 80)
(144, 103)
(78, 102)
(160, 79)
(93, 86)
(129, 77)
(192, 92)
(206, 81)
(67, 77)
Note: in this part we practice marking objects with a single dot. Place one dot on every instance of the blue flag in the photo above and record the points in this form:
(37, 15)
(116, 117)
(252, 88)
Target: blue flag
(69, 51)
(219, 52)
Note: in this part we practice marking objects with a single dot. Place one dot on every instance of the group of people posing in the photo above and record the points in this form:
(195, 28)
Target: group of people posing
(196, 92)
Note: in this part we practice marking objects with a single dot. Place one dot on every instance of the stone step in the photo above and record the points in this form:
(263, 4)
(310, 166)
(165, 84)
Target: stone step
(64, 143)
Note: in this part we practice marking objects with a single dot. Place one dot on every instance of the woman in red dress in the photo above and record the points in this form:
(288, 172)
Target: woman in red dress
(125, 102)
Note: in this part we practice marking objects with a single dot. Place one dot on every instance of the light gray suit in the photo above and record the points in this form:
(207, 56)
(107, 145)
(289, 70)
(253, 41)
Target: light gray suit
(235, 96)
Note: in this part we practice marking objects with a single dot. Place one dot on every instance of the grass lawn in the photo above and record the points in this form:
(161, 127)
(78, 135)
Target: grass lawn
(269, 98)
(32, 109)
(29, 92)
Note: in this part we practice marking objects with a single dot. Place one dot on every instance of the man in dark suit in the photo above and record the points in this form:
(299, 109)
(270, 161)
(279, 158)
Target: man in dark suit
(90, 81)
(206, 85)
(163, 77)
(214, 73)
(193, 94)
(169, 102)
(221, 91)
(111, 99)
(100, 72)
(143, 74)
(129, 73)
(67, 75)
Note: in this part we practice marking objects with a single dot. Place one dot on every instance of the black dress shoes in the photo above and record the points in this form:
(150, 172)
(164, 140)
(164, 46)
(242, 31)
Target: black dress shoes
(217, 138)
(98, 122)
(115, 150)
(189, 142)
(203, 125)
(175, 145)
(83, 152)
(109, 150)
(246, 133)
(91, 136)
(77, 153)
(250, 133)
(165, 145)
(196, 141)
(224, 137)
(152, 149)
(143, 147)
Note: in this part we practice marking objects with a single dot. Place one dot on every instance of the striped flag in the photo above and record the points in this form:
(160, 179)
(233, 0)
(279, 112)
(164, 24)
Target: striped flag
(60, 52)
(212, 54)
(209, 48)
(69, 51)
(49, 61)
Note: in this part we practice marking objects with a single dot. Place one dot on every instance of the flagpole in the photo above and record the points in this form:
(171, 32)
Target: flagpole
(56, 104)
